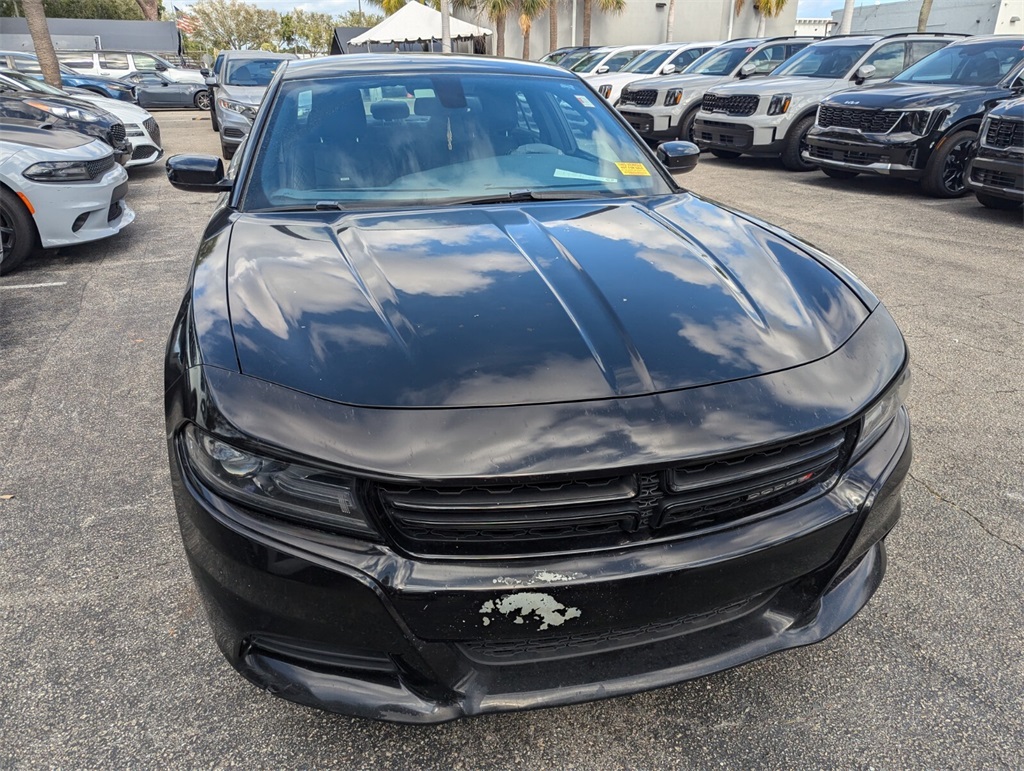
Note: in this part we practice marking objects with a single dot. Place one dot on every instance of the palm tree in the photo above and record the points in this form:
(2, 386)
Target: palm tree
(498, 11)
(552, 25)
(388, 6)
(922, 18)
(605, 6)
(671, 20)
(765, 9)
(528, 11)
(35, 19)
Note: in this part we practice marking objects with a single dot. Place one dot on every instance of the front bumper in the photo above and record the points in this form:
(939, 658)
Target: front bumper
(713, 132)
(233, 127)
(656, 124)
(75, 213)
(362, 629)
(145, 146)
(900, 155)
(998, 174)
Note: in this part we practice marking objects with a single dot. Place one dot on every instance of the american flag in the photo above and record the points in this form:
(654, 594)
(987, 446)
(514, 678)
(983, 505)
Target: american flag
(186, 22)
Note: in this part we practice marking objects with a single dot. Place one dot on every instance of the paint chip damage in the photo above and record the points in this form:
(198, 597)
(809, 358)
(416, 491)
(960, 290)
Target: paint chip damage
(530, 605)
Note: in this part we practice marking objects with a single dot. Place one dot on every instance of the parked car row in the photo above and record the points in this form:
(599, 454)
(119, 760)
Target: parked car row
(908, 105)
(63, 155)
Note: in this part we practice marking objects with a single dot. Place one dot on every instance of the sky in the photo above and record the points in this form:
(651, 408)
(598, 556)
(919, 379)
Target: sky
(806, 9)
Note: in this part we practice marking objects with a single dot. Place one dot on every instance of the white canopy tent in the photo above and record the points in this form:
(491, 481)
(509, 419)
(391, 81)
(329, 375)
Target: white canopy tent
(416, 23)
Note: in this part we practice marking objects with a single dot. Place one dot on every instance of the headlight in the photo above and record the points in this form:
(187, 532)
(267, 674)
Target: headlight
(246, 110)
(877, 419)
(673, 97)
(68, 113)
(605, 90)
(917, 121)
(58, 171)
(292, 491)
(779, 104)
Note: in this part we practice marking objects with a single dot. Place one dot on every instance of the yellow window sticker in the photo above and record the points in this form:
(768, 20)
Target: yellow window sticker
(632, 169)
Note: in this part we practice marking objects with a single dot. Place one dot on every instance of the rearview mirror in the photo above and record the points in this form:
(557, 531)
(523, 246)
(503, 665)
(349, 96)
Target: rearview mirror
(864, 72)
(678, 157)
(748, 69)
(668, 69)
(197, 173)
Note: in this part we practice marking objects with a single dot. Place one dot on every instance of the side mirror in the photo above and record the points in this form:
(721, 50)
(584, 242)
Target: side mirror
(602, 69)
(864, 72)
(678, 157)
(748, 69)
(197, 173)
(668, 69)
(161, 67)
(204, 71)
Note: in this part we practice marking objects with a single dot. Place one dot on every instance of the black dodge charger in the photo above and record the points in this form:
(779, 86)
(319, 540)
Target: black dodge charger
(470, 407)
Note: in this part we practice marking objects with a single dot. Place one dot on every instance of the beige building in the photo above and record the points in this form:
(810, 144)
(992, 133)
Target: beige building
(644, 21)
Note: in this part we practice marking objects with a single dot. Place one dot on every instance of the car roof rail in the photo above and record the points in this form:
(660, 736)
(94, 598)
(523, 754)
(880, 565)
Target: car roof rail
(927, 34)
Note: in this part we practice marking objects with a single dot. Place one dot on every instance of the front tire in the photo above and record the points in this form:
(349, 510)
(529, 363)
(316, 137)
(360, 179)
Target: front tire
(838, 173)
(796, 143)
(213, 119)
(202, 100)
(686, 125)
(944, 174)
(727, 155)
(228, 151)
(17, 232)
(996, 202)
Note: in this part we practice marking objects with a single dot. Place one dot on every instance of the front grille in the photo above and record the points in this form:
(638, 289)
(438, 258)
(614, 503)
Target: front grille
(153, 129)
(142, 151)
(868, 121)
(740, 104)
(564, 646)
(859, 157)
(1005, 133)
(643, 97)
(574, 514)
(231, 131)
(99, 167)
(116, 134)
(997, 178)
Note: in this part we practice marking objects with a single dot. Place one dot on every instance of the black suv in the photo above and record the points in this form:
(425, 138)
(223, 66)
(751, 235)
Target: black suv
(996, 172)
(923, 123)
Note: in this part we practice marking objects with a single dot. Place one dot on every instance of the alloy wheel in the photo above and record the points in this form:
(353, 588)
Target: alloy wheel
(955, 165)
(8, 236)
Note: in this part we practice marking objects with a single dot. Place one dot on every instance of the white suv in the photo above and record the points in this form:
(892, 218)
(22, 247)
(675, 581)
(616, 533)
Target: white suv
(662, 109)
(663, 59)
(772, 117)
(118, 64)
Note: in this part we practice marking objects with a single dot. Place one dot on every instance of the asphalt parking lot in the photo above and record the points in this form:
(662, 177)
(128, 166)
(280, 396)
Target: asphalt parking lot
(106, 659)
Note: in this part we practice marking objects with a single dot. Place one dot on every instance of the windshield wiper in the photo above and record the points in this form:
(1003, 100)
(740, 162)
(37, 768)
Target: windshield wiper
(515, 196)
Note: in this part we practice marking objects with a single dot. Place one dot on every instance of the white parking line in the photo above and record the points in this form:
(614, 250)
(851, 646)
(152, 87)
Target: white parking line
(33, 286)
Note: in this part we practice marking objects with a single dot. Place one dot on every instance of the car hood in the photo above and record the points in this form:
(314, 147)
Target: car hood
(243, 94)
(71, 101)
(123, 111)
(684, 81)
(791, 85)
(548, 302)
(905, 96)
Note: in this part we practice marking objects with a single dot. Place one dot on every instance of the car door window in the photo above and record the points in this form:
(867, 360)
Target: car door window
(888, 60)
(75, 61)
(620, 60)
(144, 62)
(149, 79)
(767, 59)
(918, 49)
(109, 61)
(685, 58)
(29, 66)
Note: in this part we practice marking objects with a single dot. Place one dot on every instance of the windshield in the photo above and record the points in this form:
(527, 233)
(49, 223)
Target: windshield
(824, 61)
(721, 61)
(389, 140)
(977, 64)
(589, 61)
(647, 63)
(25, 83)
(572, 57)
(251, 72)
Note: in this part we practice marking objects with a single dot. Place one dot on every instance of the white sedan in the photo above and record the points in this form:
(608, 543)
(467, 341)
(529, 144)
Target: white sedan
(59, 188)
(140, 126)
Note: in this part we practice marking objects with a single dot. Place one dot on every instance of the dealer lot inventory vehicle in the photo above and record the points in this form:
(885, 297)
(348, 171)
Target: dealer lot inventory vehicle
(996, 171)
(921, 125)
(97, 84)
(141, 130)
(471, 408)
(155, 90)
(120, 64)
(574, 56)
(664, 59)
(239, 86)
(607, 59)
(661, 109)
(772, 116)
(57, 188)
(66, 112)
